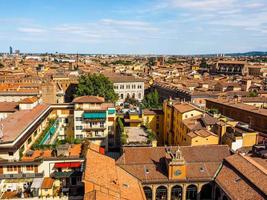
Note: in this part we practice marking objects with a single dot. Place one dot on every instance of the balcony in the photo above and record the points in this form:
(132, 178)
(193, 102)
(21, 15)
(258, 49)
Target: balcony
(22, 175)
(94, 128)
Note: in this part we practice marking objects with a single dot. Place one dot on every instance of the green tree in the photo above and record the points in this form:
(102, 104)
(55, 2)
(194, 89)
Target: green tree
(151, 100)
(96, 85)
(253, 93)
(203, 64)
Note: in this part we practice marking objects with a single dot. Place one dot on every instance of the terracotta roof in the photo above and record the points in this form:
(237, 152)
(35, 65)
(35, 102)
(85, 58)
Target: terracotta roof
(75, 150)
(89, 99)
(201, 133)
(22, 119)
(152, 111)
(208, 158)
(29, 100)
(47, 183)
(116, 78)
(184, 107)
(108, 180)
(242, 179)
(8, 107)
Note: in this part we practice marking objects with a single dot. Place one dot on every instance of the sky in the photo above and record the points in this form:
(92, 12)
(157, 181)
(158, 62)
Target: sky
(179, 27)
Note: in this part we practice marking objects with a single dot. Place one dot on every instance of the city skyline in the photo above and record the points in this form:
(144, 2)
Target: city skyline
(140, 27)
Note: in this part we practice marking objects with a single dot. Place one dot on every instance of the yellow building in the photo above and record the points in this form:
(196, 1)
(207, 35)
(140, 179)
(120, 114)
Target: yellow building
(239, 137)
(185, 124)
(153, 118)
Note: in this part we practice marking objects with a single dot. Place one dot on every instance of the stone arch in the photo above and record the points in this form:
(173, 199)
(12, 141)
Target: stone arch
(162, 193)
(148, 192)
(206, 192)
(191, 192)
(225, 197)
(177, 192)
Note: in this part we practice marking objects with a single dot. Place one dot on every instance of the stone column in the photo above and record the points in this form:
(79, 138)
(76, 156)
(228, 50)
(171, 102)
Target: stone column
(184, 192)
(199, 186)
(169, 192)
(154, 187)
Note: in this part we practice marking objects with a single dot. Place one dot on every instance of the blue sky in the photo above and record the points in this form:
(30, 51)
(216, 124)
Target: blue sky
(134, 26)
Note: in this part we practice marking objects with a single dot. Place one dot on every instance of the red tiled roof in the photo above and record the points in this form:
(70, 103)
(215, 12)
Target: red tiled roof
(89, 99)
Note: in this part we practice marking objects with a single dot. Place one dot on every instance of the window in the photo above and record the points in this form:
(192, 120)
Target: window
(133, 86)
(79, 128)
(66, 120)
(98, 133)
(157, 126)
(121, 96)
(185, 116)
(10, 153)
(139, 86)
(29, 168)
(79, 118)
(115, 87)
(128, 86)
(102, 124)
(79, 136)
(12, 168)
(192, 115)
(29, 140)
(121, 87)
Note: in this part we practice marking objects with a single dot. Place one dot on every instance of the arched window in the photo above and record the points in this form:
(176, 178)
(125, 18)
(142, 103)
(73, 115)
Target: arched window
(206, 192)
(191, 192)
(161, 193)
(148, 192)
(121, 96)
(177, 192)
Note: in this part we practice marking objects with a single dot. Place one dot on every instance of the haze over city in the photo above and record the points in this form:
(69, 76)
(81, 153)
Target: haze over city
(134, 27)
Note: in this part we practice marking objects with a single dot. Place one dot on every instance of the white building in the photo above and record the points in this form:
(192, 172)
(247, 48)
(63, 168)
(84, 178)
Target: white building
(93, 119)
(128, 86)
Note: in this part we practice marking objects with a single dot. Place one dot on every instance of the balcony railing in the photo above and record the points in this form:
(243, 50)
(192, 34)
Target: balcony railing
(22, 175)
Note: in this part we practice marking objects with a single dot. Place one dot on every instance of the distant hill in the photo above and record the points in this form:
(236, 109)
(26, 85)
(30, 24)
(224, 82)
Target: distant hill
(251, 53)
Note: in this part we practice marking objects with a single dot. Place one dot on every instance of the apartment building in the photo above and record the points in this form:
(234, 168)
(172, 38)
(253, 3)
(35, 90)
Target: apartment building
(184, 124)
(94, 119)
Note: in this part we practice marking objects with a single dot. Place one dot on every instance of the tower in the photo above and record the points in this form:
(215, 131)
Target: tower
(10, 50)
(176, 164)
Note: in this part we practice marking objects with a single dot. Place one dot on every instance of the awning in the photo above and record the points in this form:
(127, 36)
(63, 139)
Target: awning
(67, 165)
(98, 115)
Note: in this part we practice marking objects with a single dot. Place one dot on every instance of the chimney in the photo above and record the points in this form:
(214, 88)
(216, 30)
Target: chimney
(154, 143)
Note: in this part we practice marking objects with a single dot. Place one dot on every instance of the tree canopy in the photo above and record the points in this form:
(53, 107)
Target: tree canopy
(203, 64)
(96, 85)
(151, 100)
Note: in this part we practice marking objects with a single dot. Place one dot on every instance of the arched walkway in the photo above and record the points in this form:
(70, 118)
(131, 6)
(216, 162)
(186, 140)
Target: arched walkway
(161, 193)
(191, 192)
(225, 198)
(206, 192)
(217, 193)
(148, 192)
(177, 192)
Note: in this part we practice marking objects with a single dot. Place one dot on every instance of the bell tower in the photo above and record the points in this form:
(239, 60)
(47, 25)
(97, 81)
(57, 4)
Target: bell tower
(176, 164)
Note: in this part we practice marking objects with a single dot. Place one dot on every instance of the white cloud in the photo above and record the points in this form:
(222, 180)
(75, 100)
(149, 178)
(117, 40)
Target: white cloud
(31, 30)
